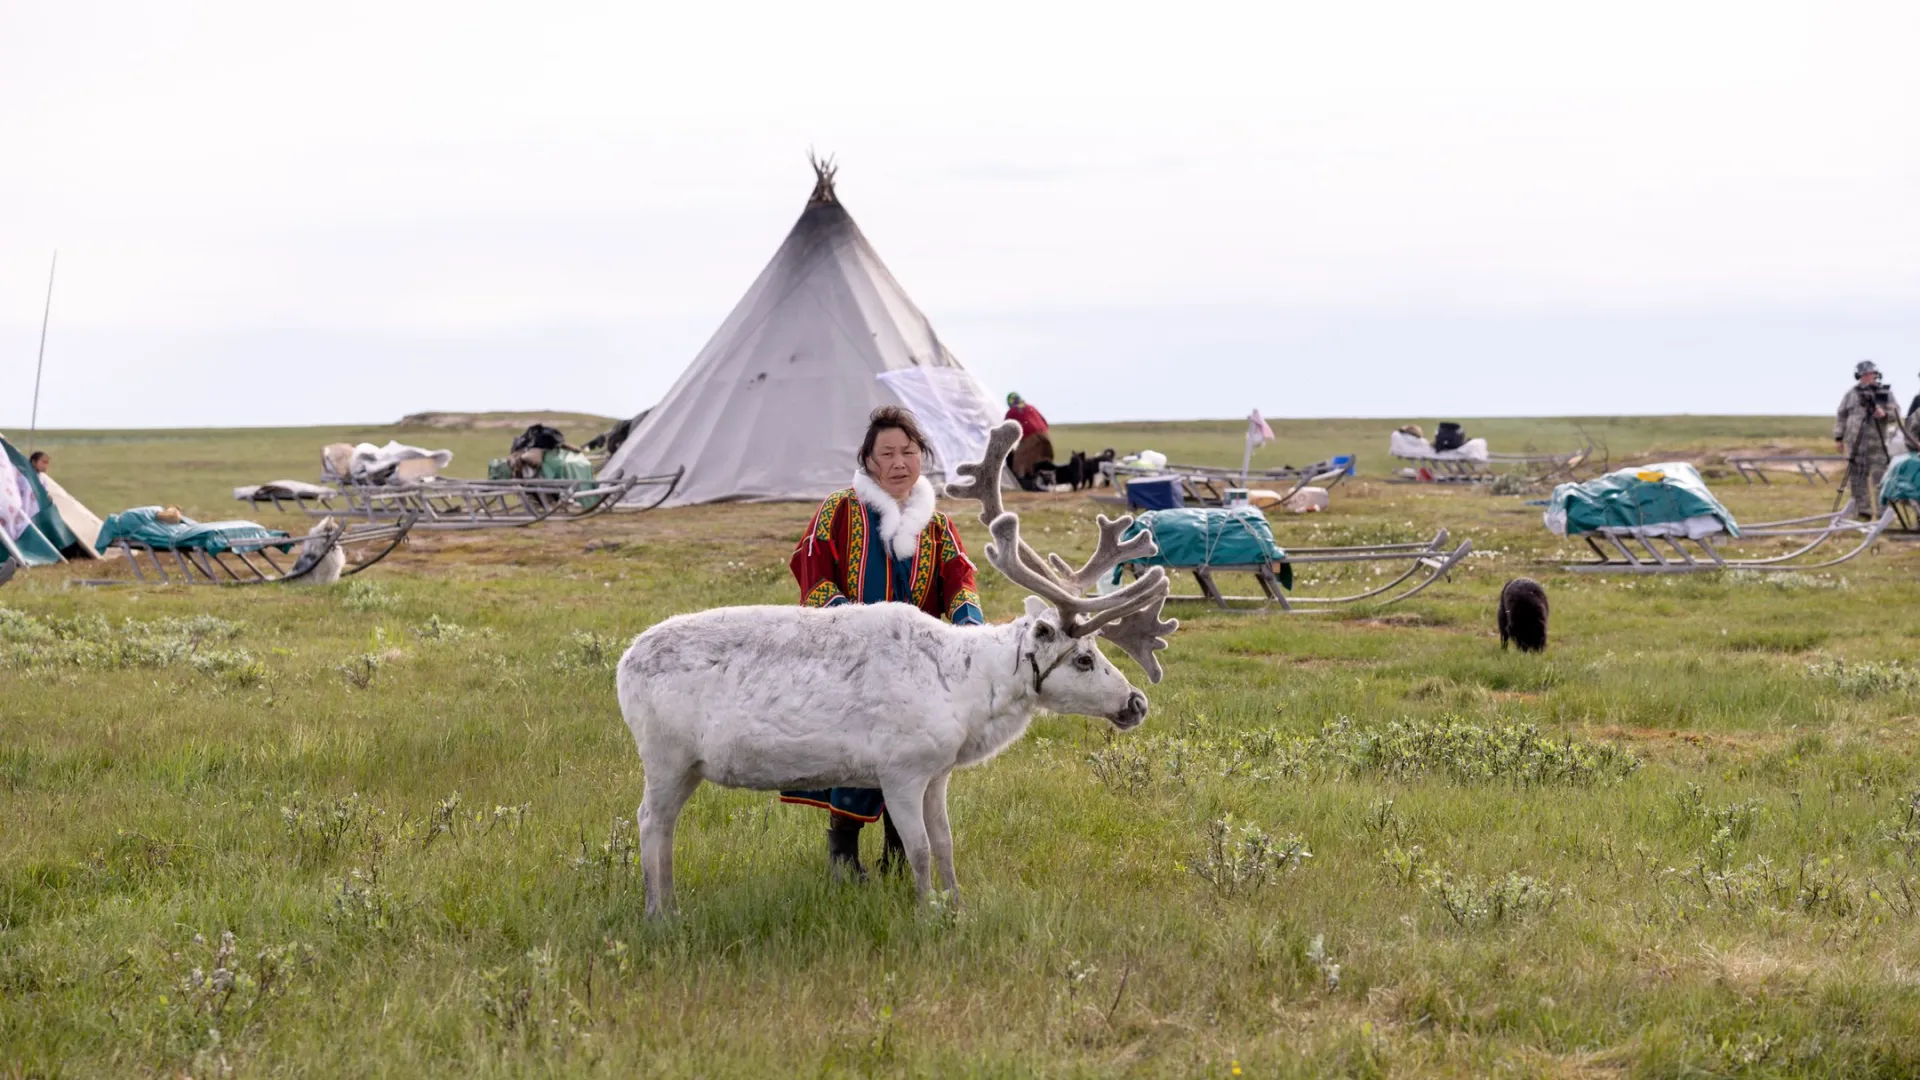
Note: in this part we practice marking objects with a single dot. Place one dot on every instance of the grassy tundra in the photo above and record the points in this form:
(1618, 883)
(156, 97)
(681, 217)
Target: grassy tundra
(387, 828)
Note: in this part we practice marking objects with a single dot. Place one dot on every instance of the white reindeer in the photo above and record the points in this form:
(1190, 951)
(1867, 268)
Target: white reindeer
(883, 695)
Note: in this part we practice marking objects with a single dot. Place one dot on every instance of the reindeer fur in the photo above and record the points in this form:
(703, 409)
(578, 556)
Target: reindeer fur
(880, 695)
(883, 695)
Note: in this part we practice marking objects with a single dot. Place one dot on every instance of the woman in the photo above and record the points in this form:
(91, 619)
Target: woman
(881, 541)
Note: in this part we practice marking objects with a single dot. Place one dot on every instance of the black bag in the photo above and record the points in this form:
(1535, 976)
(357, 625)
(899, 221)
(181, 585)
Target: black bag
(1449, 437)
(538, 437)
(616, 436)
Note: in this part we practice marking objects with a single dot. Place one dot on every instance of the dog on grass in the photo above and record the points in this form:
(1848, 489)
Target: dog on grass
(321, 557)
(1523, 615)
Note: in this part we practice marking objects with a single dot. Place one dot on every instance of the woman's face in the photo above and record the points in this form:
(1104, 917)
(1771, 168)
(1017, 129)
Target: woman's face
(895, 464)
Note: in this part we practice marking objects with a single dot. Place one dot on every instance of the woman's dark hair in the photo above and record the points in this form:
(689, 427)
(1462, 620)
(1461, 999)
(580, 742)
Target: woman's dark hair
(895, 418)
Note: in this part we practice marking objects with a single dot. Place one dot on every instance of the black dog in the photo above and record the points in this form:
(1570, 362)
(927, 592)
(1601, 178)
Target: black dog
(1094, 475)
(1080, 471)
(1523, 615)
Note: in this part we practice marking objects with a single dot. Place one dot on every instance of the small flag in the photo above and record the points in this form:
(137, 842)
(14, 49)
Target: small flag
(1258, 433)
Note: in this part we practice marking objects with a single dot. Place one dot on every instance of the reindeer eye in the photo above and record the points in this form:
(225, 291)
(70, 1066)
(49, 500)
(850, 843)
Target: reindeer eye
(1084, 662)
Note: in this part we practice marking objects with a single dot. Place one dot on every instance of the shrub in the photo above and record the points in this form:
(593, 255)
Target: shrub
(1236, 860)
(363, 595)
(91, 643)
(588, 651)
(1470, 901)
(1867, 678)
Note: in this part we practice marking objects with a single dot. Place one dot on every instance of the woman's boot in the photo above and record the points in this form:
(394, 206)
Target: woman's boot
(843, 848)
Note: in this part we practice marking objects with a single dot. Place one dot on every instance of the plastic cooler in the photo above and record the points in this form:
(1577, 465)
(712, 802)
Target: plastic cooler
(1154, 493)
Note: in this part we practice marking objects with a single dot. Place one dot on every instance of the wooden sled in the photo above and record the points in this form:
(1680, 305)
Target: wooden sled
(1537, 468)
(253, 561)
(1631, 552)
(1433, 557)
(445, 506)
(1809, 467)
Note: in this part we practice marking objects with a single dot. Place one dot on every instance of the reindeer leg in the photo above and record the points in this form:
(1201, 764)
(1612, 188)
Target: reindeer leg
(660, 805)
(906, 798)
(940, 833)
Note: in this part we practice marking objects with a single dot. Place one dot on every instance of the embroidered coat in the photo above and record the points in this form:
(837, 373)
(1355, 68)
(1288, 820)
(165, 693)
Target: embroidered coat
(845, 558)
(863, 547)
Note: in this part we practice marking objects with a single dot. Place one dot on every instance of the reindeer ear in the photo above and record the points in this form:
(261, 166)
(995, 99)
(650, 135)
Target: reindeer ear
(1037, 607)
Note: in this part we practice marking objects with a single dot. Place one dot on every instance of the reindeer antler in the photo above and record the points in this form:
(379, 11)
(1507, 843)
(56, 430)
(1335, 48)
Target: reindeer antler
(984, 475)
(1142, 634)
(1129, 617)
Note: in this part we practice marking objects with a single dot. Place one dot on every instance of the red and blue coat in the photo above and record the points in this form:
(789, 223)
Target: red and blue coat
(842, 559)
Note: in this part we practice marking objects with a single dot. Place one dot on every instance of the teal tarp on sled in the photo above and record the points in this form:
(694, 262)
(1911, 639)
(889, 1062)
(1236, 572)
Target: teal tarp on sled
(140, 525)
(1665, 497)
(1202, 537)
(1902, 482)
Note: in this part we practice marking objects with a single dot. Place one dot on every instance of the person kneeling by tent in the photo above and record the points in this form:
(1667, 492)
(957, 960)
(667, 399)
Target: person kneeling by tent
(1034, 446)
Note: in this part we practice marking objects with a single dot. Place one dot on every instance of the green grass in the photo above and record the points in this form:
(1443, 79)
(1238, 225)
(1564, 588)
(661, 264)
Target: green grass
(1684, 842)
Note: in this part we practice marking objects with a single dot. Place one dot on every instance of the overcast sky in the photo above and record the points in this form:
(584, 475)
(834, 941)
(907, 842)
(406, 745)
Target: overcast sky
(273, 214)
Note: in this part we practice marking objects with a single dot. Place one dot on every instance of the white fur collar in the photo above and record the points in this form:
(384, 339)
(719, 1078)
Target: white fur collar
(900, 524)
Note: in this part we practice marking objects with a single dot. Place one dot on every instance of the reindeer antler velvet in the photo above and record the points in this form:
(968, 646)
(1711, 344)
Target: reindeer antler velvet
(1130, 617)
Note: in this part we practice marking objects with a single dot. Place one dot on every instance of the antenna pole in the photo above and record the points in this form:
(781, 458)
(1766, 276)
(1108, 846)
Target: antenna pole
(40, 365)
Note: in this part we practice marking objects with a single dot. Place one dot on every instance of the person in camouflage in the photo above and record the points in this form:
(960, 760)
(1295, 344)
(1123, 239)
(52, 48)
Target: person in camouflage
(1860, 432)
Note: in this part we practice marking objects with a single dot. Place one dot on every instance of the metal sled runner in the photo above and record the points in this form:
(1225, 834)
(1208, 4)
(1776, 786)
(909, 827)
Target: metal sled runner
(1538, 468)
(1634, 552)
(1425, 563)
(1207, 485)
(471, 504)
(1809, 467)
(252, 561)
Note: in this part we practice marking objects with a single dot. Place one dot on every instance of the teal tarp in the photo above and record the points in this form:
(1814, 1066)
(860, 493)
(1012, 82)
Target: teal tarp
(1665, 494)
(52, 528)
(215, 537)
(1902, 482)
(569, 465)
(565, 465)
(1196, 537)
(31, 547)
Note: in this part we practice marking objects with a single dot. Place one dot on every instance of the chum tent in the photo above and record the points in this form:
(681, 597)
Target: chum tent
(774, 407)
(37, 515)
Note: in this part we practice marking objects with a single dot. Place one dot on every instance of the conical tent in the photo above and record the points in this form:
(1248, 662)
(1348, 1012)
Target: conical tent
(33, 529)
(775, 405)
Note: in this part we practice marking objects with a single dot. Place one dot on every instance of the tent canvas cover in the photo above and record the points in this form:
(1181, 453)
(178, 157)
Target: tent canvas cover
(774, 407)
(48, 534)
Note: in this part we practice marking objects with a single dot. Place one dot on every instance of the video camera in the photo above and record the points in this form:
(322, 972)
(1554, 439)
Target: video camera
(1878, 395)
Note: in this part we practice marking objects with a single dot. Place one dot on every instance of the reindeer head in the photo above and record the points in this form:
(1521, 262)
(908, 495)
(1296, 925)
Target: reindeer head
(1063, 620)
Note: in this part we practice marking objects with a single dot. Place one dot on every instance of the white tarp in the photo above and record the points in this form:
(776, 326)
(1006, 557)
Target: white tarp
(370, 460)
(953, 409)
(1402, 444)
(17, 501)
